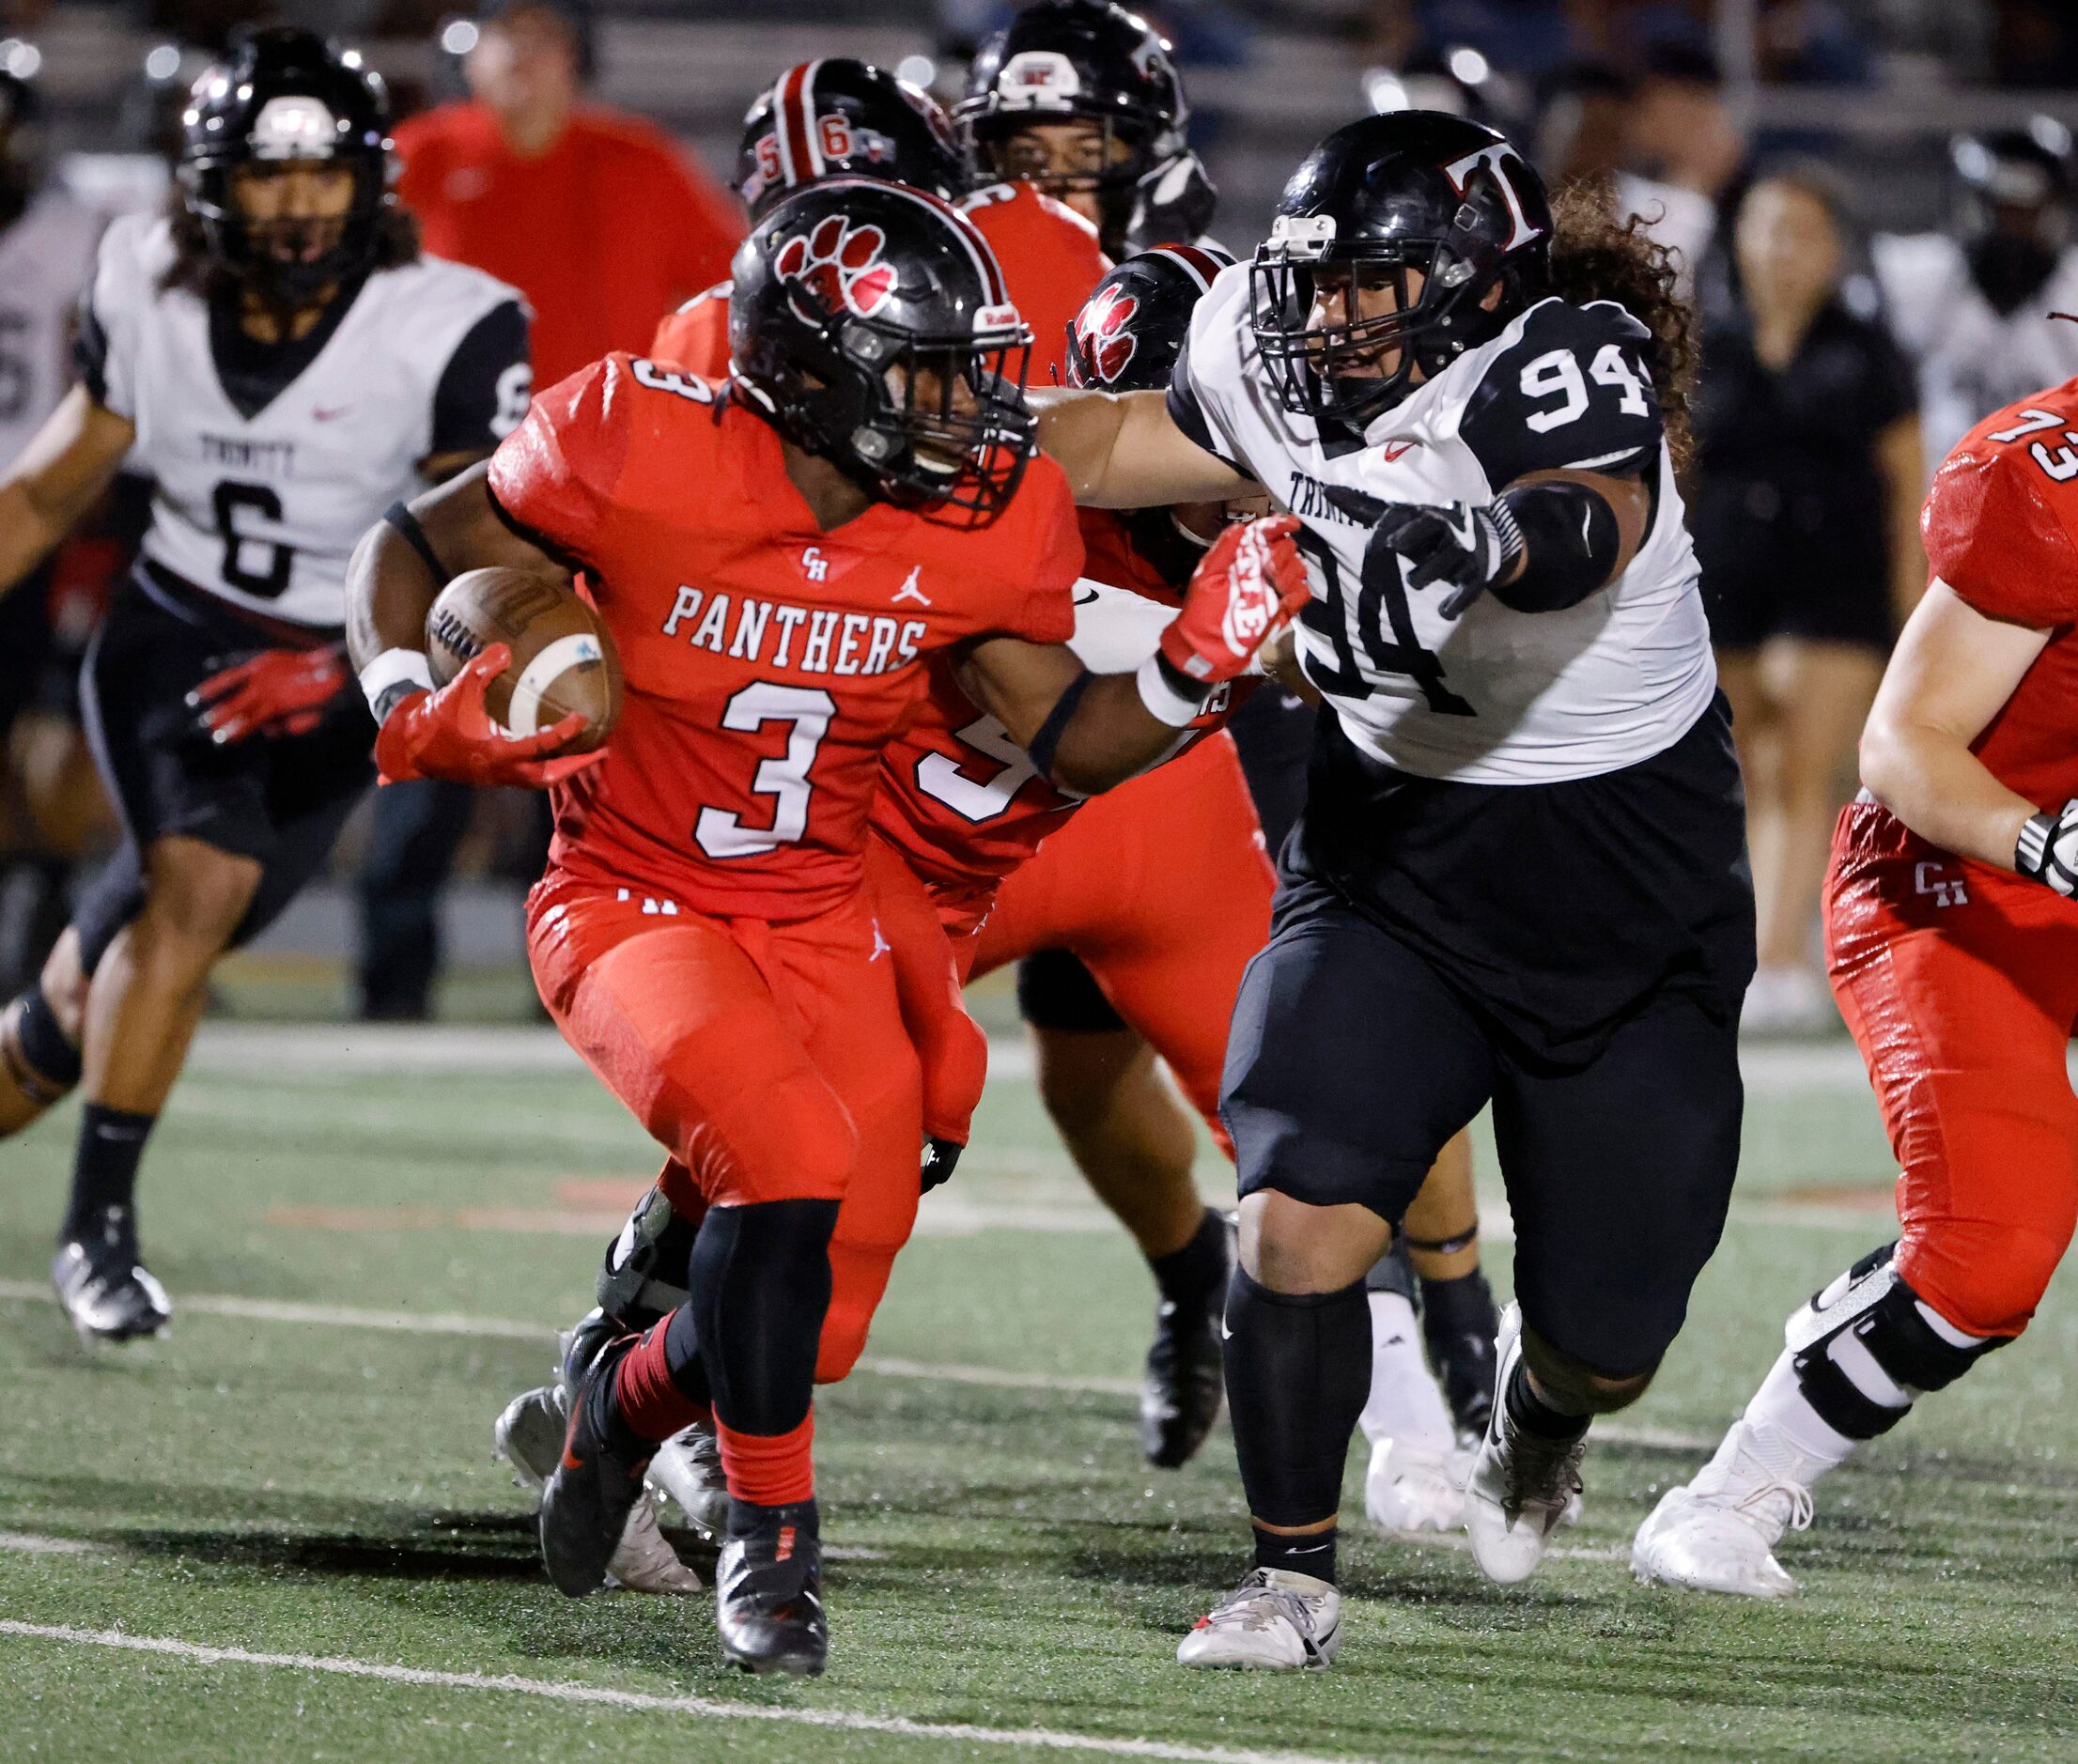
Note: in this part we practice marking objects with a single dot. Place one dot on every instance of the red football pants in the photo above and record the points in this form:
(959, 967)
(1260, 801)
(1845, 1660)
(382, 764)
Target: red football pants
(1162, 889)
(768, 1059)
(1960, 984)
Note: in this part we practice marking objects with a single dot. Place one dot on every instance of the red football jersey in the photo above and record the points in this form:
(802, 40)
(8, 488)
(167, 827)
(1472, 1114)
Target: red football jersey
(768, 662)
(958, 798)
(1047, 253)
(2001, 527)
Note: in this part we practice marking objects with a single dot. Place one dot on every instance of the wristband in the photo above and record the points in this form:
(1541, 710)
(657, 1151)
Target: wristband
(1165, 702)
(394, 668)
(2037, 855)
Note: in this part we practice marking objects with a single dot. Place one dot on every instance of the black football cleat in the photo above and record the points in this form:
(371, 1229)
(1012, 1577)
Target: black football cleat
(1459, 1323)
(1184, 1383)
(768, 1590)
(101, 1281)
(596, 1484)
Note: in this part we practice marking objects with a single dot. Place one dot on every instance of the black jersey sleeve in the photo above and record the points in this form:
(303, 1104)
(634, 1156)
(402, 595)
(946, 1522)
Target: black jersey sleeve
(1574, 392)
(483, 391)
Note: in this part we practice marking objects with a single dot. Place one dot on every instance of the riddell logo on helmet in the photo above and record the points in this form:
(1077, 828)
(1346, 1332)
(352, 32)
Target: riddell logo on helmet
(1039, 71)
(839, 266)
(1107, 345)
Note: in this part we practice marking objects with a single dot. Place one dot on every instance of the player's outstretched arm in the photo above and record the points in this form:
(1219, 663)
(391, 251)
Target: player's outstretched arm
(1124, 450)
(1088, 732)
(71, 460)
(1952, 670)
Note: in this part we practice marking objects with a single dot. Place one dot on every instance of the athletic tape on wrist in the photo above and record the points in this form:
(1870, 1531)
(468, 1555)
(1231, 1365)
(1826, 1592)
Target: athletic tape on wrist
(1164, 701)
(394, 668)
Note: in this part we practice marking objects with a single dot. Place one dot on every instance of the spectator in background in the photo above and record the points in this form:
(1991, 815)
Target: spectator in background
(603, 224)
(1806, 520)
(1977, 307)
(1682, 137)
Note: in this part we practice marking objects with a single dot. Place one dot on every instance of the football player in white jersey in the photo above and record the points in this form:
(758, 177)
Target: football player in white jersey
(284, 364)
(1520, 877)
(1982, 310)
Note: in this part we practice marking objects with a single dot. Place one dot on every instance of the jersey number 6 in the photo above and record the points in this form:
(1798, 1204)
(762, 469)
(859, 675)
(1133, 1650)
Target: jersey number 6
(720, 832)
(270, 583)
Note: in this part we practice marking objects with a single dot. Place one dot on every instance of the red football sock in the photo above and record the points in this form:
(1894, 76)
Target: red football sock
(770, 1469)
(648, 1397)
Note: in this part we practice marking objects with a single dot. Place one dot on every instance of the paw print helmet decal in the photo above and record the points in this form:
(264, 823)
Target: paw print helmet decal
(1130, 330)
(870, 324)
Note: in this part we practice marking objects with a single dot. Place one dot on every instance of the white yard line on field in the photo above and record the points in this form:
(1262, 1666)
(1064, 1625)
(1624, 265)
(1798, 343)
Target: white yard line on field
(874, 1365)
(711, 1708)
(29, 1543)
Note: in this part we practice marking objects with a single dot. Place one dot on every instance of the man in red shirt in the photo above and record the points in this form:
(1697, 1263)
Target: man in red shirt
(1951, 934)
(598, 218)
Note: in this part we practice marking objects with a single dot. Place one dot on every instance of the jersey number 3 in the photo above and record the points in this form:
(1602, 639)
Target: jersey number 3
(720, 832)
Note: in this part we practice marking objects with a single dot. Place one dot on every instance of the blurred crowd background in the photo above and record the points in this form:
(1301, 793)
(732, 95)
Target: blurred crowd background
(1868, 202)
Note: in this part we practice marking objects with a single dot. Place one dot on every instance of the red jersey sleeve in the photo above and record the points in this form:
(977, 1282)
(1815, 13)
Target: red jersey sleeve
(1996, 526)
(1047, 554)
(556, 474)
(696, 336)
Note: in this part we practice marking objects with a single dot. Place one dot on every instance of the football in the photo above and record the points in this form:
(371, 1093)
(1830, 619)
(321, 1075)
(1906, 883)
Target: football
(563, 659)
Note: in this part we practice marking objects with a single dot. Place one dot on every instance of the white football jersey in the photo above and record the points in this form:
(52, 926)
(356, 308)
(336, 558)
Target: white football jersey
(270, 463)
(1970, 360)
(44, 257)
(1495, 696)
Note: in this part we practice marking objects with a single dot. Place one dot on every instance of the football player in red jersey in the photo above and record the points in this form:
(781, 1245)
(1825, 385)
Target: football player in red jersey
(837, 117)
(868, 499)
(1952, 940)
(1078, 98)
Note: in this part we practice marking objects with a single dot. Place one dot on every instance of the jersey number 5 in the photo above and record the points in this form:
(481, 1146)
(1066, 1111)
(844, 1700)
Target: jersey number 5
(938, 775)
(720, 832)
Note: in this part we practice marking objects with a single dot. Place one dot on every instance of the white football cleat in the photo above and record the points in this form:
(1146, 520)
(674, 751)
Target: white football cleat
(1521, 1486)
(529, 1436)
(687, 1467)
(1274, 1621)
(644, 1561)
(1718, 1533)
(1408, 1488)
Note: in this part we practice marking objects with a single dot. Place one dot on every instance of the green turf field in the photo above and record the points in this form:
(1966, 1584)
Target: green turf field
(367, 1246)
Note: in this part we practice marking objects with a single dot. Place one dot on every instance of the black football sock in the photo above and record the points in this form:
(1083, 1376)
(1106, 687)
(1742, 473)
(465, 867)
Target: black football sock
(760, 1282)
(1533, 1415)
(104, 1168)
(1459, 1323)
(1187, 1275)
(1298, 1368)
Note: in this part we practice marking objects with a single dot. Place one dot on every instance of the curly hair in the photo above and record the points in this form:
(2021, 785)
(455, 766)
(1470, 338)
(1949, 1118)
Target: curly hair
(196, 268)
(1595, 255)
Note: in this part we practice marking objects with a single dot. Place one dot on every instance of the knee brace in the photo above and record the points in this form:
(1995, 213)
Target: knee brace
(44, 1065)
(644, 1275)
(1866, 1346)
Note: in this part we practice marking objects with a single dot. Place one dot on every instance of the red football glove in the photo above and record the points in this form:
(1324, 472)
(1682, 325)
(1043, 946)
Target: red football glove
(1243, 589)
(449, 735)
(276, 692)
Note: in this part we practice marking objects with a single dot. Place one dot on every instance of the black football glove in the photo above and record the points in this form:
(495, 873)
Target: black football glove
(1465, 547)
(1172, 205)
(2048, 848)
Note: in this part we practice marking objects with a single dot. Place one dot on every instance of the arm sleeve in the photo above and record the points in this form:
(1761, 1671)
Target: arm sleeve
(1573, 392)
(554, 476)
(1992, 537)
(483, 392)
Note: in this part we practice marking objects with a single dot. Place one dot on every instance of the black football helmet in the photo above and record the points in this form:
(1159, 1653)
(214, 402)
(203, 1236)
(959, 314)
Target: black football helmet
(838, 117)
(1064, 59)
(2013, 194)
(870, 323)
(286, 97)
(21, 146)
(1132, 328)
(1414, 192)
